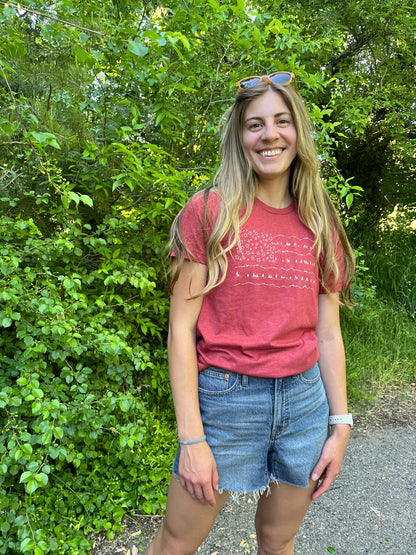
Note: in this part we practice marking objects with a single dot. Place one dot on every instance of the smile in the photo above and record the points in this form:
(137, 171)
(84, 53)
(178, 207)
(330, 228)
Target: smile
(274, 152)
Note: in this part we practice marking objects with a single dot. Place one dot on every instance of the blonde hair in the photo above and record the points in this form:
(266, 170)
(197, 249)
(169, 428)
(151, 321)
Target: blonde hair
(236, 184)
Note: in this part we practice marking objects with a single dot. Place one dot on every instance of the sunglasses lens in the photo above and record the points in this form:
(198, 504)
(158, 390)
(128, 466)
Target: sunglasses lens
(249, 82)
(280, 78)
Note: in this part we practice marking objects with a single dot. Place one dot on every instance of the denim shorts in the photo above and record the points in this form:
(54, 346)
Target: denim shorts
(263, 430)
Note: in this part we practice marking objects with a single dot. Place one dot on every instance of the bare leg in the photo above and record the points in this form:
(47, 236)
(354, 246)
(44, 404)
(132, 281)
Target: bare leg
(279, 516)
(187, 523)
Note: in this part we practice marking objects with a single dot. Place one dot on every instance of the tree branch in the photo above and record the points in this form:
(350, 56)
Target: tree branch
(351, 50)
(47, 16)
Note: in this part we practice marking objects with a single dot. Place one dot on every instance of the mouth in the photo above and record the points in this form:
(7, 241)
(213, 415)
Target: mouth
(271, 152)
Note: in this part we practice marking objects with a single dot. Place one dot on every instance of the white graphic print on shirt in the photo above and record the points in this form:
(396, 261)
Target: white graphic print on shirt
(275, 260)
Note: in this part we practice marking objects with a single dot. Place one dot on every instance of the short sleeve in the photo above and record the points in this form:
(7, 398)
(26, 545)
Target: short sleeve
(196, 223)
(339, 256)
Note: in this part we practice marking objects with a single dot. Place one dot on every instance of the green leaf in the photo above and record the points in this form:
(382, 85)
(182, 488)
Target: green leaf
(83, 56)
(41, 478)
(74, 196)
(25, 477)
(83, 36)
(4, 527)
(36, 408)
(138, 48)
(125, 405)
(46, 138)
(87, 200)
(38, 393)
(27, 545)
(58, 433)
(27, 449)
(32, 486)
(41, 548)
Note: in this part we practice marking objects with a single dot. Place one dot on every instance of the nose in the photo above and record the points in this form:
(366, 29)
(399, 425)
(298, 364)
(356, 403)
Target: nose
(270, 131)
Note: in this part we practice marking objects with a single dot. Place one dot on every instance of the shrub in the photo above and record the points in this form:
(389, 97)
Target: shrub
(86, 424)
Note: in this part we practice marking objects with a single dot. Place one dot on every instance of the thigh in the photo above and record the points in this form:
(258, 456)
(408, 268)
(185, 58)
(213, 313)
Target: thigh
(186, 524)
(280, 514)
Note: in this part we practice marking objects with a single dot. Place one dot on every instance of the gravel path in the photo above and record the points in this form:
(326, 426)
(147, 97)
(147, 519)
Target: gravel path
(370, 509)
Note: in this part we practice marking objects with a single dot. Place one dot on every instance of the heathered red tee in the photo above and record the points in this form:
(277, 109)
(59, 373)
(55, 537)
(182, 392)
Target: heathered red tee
(261, 321)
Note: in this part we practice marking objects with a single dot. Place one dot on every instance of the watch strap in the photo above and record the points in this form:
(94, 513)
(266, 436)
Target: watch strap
(341, 419)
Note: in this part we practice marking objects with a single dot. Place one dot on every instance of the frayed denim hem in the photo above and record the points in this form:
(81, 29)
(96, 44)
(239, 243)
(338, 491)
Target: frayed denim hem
(238, 496)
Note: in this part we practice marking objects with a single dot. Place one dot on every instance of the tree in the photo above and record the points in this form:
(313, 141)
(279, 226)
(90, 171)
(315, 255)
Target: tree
(372, 66)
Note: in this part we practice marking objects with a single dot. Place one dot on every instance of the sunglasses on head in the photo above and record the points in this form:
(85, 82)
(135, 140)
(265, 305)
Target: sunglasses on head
(278, 77)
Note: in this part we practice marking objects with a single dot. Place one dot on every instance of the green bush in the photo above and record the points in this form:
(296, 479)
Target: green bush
(86, 426)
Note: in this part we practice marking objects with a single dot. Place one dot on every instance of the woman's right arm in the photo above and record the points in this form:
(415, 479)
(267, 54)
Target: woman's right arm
(197, 468)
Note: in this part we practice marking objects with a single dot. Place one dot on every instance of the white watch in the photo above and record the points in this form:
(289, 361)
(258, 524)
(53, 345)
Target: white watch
(341, 419)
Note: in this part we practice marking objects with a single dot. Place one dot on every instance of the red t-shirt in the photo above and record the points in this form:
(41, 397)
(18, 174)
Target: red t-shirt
(261, 321)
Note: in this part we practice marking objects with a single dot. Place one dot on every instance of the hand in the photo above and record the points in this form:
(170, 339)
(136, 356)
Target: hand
(330, 462)
(198, 472)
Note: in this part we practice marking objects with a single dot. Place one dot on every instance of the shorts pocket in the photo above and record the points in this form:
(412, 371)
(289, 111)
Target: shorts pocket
(310, 376)
(215, 381)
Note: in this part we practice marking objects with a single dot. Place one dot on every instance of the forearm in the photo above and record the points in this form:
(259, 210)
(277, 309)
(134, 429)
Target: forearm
(183, 373)
(332, 366)
(182, 357)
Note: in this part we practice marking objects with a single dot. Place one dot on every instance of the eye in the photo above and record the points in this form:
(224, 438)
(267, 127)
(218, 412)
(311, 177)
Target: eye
(254, 126)
(283, 122)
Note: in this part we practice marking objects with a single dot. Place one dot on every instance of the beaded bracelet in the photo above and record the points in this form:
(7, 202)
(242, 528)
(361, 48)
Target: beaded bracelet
(192, 441)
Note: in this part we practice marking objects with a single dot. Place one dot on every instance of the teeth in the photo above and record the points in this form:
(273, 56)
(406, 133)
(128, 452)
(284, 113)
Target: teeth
(271, 152)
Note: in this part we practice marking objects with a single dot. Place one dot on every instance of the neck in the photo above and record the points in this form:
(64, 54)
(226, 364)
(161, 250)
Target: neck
(274, 197)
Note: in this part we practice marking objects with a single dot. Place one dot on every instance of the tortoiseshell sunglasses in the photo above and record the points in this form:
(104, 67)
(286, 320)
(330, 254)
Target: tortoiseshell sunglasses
(278, 77)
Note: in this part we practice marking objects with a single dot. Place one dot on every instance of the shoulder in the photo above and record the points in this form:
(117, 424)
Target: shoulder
(203, 206)
(205, 198)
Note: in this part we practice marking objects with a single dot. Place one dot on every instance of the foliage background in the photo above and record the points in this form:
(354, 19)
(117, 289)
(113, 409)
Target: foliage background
(109, 119)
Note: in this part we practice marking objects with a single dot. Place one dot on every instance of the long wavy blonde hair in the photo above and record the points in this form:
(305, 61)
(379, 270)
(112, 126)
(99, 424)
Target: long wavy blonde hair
(236, 184)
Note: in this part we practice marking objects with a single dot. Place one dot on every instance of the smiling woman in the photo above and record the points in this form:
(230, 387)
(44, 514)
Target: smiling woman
(256, 359)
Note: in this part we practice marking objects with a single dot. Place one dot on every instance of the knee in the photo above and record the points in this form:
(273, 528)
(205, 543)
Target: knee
(272, 542)
(268, 545)
(167, 543)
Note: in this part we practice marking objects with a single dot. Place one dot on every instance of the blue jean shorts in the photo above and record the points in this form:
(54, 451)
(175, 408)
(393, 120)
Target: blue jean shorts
(262, 430)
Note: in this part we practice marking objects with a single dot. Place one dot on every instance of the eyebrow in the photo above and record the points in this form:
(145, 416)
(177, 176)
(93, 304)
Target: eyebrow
(276, 116)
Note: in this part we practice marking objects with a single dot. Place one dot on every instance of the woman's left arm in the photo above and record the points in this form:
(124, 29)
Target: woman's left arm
(332, 366)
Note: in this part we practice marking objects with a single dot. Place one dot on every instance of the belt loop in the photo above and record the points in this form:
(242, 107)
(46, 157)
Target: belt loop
(244, 380)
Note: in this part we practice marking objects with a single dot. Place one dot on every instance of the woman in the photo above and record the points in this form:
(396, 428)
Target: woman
(260, 265)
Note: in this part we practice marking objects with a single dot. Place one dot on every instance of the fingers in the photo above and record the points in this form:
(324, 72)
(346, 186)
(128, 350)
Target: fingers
(198, 473)
(324, 474)
(319, 470)
(329, 465)
(324, 477)
(323, 485)
(202, 492)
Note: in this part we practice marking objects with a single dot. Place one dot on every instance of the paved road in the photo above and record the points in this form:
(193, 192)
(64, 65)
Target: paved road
(371, 508)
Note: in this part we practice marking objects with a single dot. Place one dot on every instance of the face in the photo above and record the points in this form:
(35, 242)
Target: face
(269, 138)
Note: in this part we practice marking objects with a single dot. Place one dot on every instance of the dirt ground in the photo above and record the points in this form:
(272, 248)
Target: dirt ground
(397, 409)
